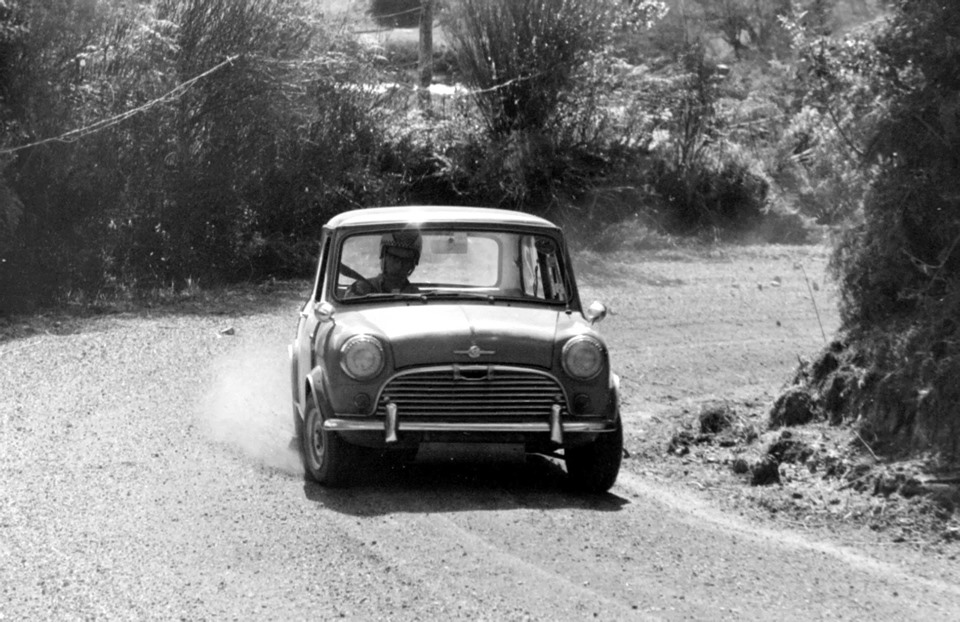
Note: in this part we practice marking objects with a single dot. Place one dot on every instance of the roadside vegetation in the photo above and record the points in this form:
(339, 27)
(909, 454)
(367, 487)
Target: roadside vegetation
(181, 144)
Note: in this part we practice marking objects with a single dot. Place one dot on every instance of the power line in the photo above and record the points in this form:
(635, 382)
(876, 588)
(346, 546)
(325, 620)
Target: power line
(103, 124)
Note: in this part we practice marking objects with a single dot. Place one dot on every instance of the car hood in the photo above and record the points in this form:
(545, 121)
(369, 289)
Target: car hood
(445, 333)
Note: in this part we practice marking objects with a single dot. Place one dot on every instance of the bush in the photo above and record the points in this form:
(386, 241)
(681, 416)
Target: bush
(521, 56)
(899, 269)
(727, 196)
(221, 135)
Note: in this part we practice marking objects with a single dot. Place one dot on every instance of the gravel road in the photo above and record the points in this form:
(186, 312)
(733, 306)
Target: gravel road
(146, 473)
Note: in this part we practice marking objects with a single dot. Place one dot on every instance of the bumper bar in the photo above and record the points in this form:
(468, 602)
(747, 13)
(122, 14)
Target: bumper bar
(390, 426)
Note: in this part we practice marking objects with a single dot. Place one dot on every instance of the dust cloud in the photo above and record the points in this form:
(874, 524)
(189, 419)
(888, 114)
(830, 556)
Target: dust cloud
(248, 406)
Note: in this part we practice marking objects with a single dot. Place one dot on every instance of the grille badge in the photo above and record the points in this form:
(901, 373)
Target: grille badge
(474, 351)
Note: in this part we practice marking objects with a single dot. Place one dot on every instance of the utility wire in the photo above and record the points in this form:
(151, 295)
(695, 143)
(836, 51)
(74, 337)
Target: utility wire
(103, 124)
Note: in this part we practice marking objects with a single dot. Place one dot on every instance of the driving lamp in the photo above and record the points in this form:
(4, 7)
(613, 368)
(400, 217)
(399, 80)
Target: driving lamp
(361, 357)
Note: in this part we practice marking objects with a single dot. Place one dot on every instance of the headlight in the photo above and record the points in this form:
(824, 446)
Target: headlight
(361, 357)
(583, 357)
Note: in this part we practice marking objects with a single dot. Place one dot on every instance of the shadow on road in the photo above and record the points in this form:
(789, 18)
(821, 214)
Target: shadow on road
(393, 488)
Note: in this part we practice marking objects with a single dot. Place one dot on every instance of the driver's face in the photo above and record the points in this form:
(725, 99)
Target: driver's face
(397, 267)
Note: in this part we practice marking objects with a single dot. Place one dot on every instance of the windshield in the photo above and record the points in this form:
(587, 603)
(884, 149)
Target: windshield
(429, 264)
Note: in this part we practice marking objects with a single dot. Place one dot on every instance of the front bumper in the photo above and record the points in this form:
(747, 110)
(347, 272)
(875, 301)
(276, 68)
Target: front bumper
(391, 426)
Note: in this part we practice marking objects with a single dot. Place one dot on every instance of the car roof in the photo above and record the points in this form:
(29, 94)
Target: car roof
(428, 214)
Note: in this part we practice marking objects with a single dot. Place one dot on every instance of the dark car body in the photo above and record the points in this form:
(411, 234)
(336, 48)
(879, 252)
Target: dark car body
(487, 343)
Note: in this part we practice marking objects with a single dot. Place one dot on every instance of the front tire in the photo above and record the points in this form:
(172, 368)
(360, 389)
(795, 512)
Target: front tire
(327, 458)
(594, 467)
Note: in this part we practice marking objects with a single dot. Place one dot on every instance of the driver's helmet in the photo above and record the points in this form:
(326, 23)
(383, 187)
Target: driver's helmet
(405, 244)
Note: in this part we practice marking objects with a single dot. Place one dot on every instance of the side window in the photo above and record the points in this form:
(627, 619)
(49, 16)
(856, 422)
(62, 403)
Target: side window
(532, 284)
(320, 282)
(359, 258)
(553, 276)
(542, 271)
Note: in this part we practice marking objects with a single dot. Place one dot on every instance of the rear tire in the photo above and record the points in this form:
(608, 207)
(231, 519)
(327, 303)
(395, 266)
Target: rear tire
(594, 467)
(327, 458)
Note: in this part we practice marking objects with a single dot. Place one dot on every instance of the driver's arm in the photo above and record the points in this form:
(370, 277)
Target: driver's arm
(359, 288)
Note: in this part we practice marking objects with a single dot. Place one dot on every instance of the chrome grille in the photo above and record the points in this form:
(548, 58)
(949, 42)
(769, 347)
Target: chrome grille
(466, 391)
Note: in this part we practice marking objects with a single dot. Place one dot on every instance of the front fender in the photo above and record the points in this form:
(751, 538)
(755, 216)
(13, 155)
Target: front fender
(317, 391)
(294, 381)
(615, 393)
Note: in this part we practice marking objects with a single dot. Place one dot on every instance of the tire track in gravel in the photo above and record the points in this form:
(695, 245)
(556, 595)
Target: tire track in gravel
(433, 538)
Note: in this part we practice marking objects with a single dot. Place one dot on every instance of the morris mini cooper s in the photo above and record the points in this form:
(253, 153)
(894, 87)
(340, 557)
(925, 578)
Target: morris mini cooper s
(451, 325)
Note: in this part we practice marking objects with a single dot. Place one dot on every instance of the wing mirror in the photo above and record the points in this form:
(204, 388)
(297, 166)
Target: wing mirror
(324, 311)
(596, 311)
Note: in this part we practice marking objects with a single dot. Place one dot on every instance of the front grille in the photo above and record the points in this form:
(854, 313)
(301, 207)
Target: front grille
(489, 392)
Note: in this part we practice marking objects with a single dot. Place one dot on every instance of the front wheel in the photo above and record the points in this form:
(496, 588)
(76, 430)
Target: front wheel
(327, 458)
(594, 467)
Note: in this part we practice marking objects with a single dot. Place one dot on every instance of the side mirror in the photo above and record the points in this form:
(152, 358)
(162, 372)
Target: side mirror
(324, 311)
(596, 311)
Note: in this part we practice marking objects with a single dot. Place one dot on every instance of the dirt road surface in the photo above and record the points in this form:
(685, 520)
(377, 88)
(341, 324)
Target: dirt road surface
(146, 473)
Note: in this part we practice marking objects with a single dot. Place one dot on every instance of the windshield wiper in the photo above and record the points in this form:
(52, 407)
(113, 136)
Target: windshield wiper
(385, 296)
(425, 296)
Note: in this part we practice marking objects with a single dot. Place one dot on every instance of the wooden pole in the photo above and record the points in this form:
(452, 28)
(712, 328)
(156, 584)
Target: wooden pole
(425, 57)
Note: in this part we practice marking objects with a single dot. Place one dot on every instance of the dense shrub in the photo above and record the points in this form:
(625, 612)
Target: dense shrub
(547, 121)
(726, 196)
(219, 135)
(899, 270)
(521, 56)
(820, 155)
(50, 195)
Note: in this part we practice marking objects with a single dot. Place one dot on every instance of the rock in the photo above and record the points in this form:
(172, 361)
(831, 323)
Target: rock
(912, 487)
(740, 466)
(716, 418)
(794, 407)
(789, 450)
(765, 472)
(680, 443)
(947, 496)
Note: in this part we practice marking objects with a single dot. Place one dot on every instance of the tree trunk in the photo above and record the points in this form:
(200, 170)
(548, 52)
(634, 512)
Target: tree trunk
(425, 60)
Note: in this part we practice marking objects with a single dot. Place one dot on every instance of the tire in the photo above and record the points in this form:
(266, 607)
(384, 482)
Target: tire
(594, 467)
(327, 458)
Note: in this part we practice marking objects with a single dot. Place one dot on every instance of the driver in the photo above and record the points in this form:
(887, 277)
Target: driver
(399, 256)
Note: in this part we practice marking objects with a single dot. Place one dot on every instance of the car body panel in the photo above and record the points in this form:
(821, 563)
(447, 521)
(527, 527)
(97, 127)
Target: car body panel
(421, 334)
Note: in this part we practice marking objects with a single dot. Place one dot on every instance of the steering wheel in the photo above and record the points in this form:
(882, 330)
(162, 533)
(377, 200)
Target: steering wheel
(356, 276)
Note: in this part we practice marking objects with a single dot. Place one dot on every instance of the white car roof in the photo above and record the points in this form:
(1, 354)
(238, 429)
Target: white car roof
(427, 214)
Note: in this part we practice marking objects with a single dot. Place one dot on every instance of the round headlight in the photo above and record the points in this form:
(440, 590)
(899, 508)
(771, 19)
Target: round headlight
(583, 357)
(361, 357)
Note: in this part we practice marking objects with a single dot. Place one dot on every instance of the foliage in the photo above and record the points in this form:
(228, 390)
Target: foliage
(838, 104)
(903, 258)
(899, 270)
(219, 136)
(520, 56)
(537, 140)
(703, 180)
(746, 24)
(157, 144)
